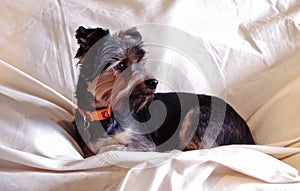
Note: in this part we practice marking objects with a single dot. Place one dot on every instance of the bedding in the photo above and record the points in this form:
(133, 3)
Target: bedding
(244, 51)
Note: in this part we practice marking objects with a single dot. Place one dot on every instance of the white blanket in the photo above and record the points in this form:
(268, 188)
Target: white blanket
(252, 47)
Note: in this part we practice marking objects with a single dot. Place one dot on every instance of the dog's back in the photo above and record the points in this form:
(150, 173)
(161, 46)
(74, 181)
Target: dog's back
(185, 118)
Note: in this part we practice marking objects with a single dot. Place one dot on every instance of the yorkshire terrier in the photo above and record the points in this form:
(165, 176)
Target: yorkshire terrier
(118, 108)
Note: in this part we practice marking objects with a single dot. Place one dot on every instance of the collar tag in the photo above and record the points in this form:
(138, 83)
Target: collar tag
(98, 115)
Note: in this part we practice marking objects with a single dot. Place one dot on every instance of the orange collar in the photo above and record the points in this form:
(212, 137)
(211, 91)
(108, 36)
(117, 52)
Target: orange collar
(98, 115)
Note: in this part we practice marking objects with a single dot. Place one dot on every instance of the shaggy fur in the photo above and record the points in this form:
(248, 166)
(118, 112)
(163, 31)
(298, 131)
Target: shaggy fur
(112, 76)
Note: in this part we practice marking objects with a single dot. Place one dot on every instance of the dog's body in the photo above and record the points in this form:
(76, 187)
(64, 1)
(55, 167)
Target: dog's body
(196, 122)
(117, 103)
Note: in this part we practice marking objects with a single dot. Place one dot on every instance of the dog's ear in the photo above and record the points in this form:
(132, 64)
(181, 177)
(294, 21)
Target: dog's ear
(134, 39)
(86, 38)
(131, 35)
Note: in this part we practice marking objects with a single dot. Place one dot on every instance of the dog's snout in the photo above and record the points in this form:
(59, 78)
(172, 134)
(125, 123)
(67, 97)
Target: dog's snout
(151, 83)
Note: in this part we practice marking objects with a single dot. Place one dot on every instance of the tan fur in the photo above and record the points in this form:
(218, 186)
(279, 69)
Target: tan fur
(185, 135)
(111, 86)
(122, 138)
(184, 129)
(101, 89)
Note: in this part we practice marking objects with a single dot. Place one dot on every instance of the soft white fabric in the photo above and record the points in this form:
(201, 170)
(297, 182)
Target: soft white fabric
(255, 48)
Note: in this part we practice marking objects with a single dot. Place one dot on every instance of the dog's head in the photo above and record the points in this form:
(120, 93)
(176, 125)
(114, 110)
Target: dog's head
(112, 70)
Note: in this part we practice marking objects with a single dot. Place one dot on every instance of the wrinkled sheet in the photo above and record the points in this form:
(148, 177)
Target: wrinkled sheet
(254, 44)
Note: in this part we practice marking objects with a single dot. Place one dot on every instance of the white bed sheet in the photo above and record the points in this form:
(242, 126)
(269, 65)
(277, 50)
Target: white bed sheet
(255, 44)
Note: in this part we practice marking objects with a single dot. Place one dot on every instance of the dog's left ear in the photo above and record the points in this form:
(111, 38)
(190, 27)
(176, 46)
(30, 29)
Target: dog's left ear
(86, 38)
(131, 35)
(134, 40)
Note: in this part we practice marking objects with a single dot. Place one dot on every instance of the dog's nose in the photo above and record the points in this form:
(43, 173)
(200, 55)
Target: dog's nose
(151, 83)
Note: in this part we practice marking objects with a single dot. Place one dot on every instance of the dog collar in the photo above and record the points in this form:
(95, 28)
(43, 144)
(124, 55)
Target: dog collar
(98, 115)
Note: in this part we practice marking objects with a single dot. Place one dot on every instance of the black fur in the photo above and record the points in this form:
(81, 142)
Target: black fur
(86, 38)
(233, 129)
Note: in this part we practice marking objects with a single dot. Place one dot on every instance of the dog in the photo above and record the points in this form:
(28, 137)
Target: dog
(118, 108)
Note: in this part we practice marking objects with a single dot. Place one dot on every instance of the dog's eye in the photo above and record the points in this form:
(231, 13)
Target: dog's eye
(121, 66)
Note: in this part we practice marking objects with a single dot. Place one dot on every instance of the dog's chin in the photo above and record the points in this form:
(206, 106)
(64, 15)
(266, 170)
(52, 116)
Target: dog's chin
(138, 102)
